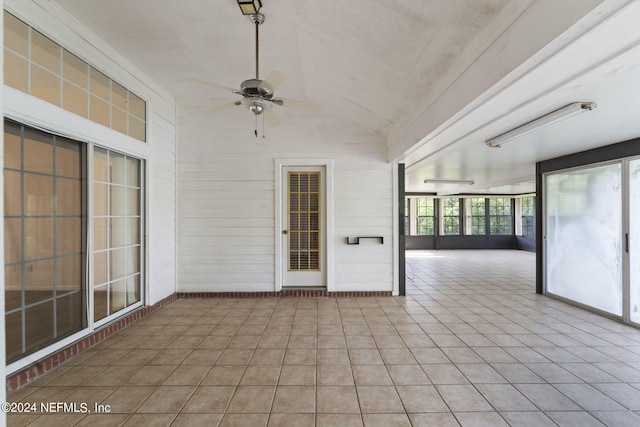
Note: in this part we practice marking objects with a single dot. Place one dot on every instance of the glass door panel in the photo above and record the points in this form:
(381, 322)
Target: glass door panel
(583, 236)
(634, 240)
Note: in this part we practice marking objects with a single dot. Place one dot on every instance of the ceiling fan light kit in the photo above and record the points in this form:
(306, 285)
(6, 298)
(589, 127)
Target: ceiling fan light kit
(540, 122)
(249, 7)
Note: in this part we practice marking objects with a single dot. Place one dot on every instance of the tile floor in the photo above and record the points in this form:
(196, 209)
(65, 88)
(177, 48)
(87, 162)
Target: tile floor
(471, 345)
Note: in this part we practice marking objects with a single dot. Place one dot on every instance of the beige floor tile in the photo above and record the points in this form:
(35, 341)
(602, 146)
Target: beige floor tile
(527, 419)
(76, 376)
(363, 356)
(302, 341)
(337, 400)
(126, 400)
(371, 375)
(444, 374)
(139, 357)
(267, 357)
(332, 341)
(480, 419)
(209, 399)
(360, 341)
(294, 399)
(224, 375)
(547, 398)
(291, 420)
(150, 375)
(342, 420)
(441, 419)
(170, 357)
(333, 357)
(297, 375)
(167, 400)
(461, 398)
(57, 420)
(429, 355)
(190, 420)
(215, 342)
(150, 420)
(397, 356)
(421, 398)
(335, 375)
(113, 376)
(379, 400)
(244, 341)
(261, 375)
(386, 420)
(101, 420)
(574, 419)
(505, 397)
(187, 375)
(618, 418)
(274, 341)
(252, 400)
(408, 375)
(589, 398)
(202, 357)
(186, 341)
(480, 373)
(300, 356)
(234, 356)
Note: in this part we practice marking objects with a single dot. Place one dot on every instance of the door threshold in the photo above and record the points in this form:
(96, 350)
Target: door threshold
(304, 288)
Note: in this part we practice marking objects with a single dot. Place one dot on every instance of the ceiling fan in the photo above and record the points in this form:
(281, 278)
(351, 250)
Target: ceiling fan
(258, 95)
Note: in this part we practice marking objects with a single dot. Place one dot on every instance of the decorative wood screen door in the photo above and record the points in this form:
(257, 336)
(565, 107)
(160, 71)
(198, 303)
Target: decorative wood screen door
(304, 227)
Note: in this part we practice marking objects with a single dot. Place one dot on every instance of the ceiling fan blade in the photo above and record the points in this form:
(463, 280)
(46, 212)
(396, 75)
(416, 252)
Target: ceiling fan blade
(299, 105)
(275, 79)
(215, 85)
(270, 118)
(222, 107)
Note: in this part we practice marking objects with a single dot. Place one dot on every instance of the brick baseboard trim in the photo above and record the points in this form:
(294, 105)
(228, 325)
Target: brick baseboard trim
(23, 377)
(309, 293)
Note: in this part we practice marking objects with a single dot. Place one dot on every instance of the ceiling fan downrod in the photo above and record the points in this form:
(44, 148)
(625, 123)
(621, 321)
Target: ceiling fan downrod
(257, 19)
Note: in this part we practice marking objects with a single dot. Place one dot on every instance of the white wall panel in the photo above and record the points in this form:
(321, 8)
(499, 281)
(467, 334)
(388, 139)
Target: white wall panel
(226, 206)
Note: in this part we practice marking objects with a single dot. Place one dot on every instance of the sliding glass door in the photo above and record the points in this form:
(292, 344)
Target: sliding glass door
(584, 228)
(117, 233)
(45, 229)
(592, 237)
(50, 294)
(633, 240)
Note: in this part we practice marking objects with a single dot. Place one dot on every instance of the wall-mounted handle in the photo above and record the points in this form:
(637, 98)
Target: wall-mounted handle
(356, 240)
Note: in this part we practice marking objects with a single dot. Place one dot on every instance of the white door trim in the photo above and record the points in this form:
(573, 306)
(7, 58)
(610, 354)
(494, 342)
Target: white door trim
(280, 164)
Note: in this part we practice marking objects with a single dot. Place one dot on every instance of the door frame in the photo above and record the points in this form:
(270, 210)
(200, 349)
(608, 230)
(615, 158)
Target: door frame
(279, 178)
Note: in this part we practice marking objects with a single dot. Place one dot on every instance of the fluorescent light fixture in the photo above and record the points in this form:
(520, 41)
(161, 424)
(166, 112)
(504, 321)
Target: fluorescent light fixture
(249, 7)
(448, 181)
(540, 122)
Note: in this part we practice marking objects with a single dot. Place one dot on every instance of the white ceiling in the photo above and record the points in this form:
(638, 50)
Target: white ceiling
(378, 64)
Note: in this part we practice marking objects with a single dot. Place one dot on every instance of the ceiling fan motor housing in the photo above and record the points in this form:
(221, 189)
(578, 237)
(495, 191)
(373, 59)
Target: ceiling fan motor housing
(256, 87)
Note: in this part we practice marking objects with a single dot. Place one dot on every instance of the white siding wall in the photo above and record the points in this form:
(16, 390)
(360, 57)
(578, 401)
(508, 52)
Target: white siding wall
(226, 206)
(159, 152)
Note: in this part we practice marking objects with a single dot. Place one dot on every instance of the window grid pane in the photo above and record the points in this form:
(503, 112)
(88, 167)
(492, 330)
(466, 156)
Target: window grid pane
(44, 253)
(118, 228)
(451, 216)
(425, 216)
(38, 66)
(500, 216)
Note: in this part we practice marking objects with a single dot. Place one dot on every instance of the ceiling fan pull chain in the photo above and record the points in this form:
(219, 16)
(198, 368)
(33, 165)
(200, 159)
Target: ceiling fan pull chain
(255, 131)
